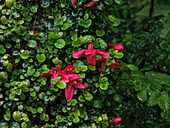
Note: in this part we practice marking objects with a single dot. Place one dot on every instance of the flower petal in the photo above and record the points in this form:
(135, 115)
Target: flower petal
(115, 65)
(102, 68)
(92, 3)
(91, 60)
(69, 68)
(115, 121)
(64, 78)
(102, 60)
(79, 53)
(103, 53)
(74, 2)
(69, 92)
(73, 77)
(78, 84)
(58, 69)
(90, 50)
(50, 73)
(118, 46)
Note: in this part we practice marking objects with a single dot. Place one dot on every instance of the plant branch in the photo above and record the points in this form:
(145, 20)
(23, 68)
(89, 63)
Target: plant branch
(151, 11)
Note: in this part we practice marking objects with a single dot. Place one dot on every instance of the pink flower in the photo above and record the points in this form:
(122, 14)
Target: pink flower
(74, 2)
(115, 65)
(118, 46)
(70, 89)
(68, 77)
(115, 121)
(66, 74)
(104, 60)
(92, 3)
(91, 54)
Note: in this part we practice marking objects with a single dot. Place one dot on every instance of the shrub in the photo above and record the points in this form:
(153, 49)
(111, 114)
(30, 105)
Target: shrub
(50, 38)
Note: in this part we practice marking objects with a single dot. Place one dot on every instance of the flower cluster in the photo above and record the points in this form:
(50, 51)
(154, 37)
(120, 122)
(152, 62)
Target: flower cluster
(70, 78)
(91, 55)
(92, 3)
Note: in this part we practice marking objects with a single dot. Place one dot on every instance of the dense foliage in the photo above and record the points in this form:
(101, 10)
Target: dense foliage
(120, 54)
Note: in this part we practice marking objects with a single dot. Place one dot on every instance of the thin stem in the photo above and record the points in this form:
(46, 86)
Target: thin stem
(151, 11)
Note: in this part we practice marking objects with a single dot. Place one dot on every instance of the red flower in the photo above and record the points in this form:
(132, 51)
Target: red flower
(66, 74)
(118, 46)
(92, 3)
(91, 54)
(69, 89)
(68, 77)
(115, 65)
(104, 60)
(115, 121)
(74, 2)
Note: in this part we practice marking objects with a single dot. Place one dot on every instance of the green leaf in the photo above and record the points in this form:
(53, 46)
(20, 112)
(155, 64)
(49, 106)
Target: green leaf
(88, 23)
(97, 104)
(104, 86)
(59, 21)
(76, 120)
(32, 43)
(17, 116)
(55, 60)
(23, 125)
(142, 96)
(3, 125)
(41, 57)
(156, 79)
(132, 67)
(76, 43)
(3, 76)
(25, 54)
(166, 32)
(111, 18)
(87, 38)
(73, 102)
(2, 49)
(81, 22)
(30, 71)
(118, 98)
(119, 1)
(67, 24)
(86, 16)
(118, 55)
(14, 125)
(76, 112)
(11, 96)
(33, 9)
(84, 68)
(46, 118)
(153, 99)
(41, 95)
(158, 10)
(164, 100)
(78, 64)
(61, 85)
(100, 32)
(40, 109)
(88, 96)
(60, 43)
(53, 35)
(93, 68)
(42, 116)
